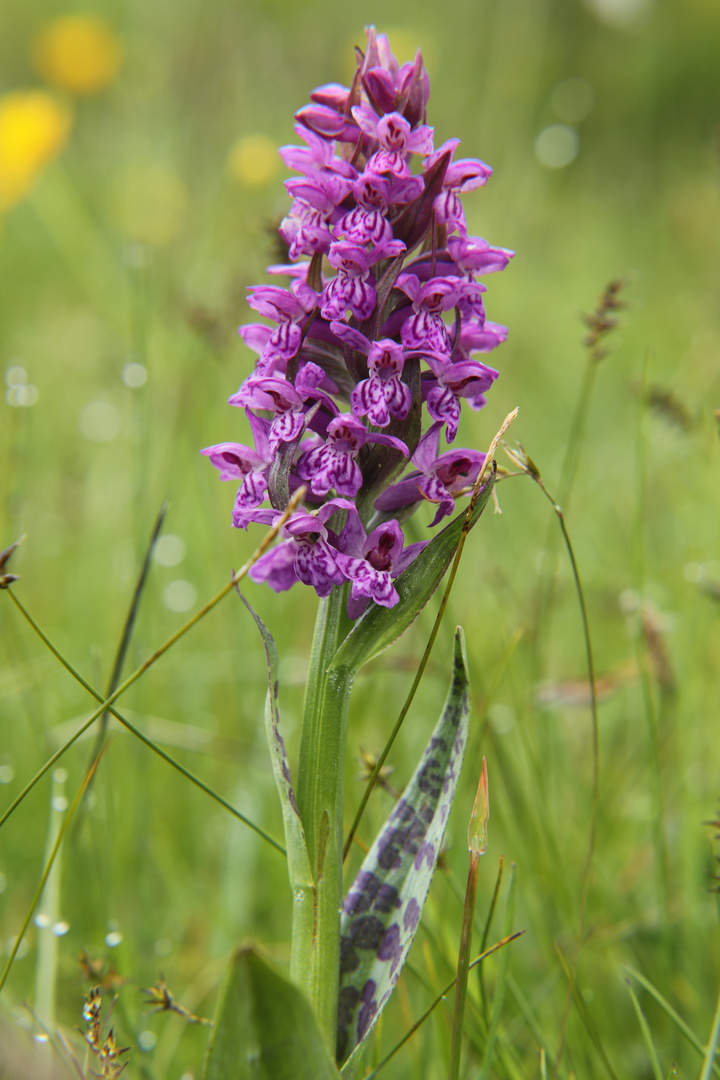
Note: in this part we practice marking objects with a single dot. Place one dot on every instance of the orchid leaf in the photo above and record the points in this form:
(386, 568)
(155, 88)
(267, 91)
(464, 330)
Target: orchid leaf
(383, 907)
(380, 626)
(265, 1028)
(297, 856)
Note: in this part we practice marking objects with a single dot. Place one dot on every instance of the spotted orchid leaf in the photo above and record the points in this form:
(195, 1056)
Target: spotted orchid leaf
(381, 626)
(265, 1028)
(383, 907)
(299, 871)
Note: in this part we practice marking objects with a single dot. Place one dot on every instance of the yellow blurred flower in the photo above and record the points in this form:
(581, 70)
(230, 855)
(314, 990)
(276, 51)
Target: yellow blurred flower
(253, 160)
(79, 53)
(34, 127)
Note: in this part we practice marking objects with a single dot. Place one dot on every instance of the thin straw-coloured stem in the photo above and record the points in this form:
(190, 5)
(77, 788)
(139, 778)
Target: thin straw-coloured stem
(463, 966)
(144, 738)
(266, 541)
(523, 463)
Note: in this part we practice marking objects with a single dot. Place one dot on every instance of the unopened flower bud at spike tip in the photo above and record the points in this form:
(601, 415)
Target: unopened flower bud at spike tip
(478, 827)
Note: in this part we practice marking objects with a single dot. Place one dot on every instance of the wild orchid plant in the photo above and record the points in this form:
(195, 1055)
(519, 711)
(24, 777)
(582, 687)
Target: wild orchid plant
(359, 381)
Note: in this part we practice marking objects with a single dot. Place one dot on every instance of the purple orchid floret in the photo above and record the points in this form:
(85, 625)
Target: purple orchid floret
(333, 464)
(372, 347)
(383, 394)
(354, 287)
(463, 379)
(380, 559)
(438, 479)
(426, 329)
(397, 140)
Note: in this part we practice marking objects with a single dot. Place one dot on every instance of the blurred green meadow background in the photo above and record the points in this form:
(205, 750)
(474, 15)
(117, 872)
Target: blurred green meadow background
(139, 193)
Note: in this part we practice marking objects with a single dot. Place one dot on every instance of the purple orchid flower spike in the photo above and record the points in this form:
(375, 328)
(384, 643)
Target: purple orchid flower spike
(383, 394)
(380, 558)
(333, 464)
(334, 353)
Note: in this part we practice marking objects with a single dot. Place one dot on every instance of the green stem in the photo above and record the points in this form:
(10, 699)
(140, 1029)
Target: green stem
(463, 966)
(315, 957)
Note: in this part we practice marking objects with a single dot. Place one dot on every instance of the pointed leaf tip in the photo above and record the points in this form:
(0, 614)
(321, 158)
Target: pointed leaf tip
(478, 827)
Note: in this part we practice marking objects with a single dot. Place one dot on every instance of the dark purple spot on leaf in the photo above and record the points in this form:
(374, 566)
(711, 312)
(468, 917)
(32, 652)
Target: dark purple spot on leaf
(349, 959)
(368, 1010)
(391, 948)
(426, 852)
(367, 932)
(412, 915)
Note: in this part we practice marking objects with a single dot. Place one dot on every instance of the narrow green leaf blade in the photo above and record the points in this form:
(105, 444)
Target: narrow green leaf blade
(381, 626)
(265, 1028)
(297, 856)
(383, 907)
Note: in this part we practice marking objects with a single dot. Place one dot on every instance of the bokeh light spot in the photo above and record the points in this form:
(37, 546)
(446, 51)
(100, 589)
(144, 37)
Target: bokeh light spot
(22, 395)
(620, 14)
(16, 376)
(179, 595)
(134, 375)
(169, 550)
(556, 146)
(572, 100)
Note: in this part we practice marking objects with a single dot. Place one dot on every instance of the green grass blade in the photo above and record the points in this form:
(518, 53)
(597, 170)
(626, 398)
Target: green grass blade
(172, 640)
(384, 904)
(644, 1027)
(712, 1044)
(138, 735)
(674, 1016)
(265, 1028)
(499, 998)
(48, 868)
(129, 624)
(46, 971)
